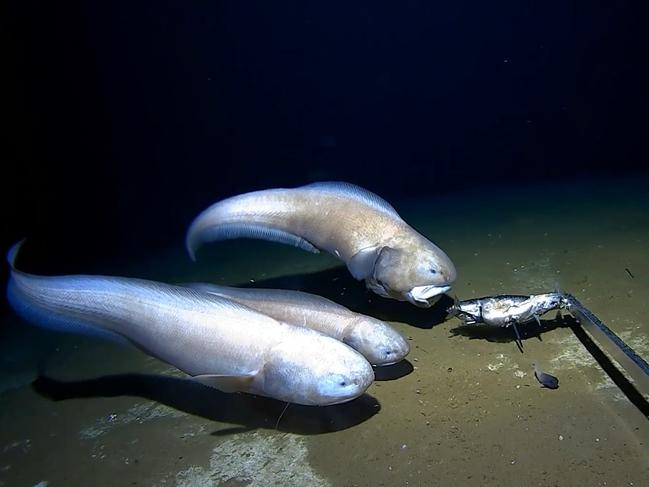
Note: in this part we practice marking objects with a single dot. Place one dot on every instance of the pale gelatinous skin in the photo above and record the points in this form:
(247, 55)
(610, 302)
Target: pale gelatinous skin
(347, 221)
(221, 343)
(376, 340)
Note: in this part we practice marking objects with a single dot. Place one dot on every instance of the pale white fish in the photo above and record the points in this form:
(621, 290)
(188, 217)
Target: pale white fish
(376, 340)
(353, 224)
(217, 341)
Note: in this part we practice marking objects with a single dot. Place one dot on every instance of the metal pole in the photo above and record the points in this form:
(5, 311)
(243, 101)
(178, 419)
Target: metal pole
(633, 364)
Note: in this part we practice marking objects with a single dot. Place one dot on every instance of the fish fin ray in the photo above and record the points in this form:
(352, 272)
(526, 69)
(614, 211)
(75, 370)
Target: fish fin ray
(357, 193)
(519, 342)
(43, 316)
(50, 319)
(226, 383)
(361, 265)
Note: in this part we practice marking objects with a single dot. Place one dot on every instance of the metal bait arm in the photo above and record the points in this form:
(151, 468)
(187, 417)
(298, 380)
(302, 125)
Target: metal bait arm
(636, 389)
(633, 364)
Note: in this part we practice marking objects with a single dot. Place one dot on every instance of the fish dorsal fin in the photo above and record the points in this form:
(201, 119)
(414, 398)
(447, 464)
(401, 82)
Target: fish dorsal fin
(357, 193)
(172, 293)
(361, 265)
(206, 287)
(227, 383)
(282, 295)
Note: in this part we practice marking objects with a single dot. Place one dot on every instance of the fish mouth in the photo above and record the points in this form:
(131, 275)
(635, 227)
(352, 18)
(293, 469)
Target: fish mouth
(351, 393)
(385, 364)
(426, 296)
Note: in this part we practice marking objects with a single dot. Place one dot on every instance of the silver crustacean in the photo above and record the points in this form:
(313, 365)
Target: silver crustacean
(507, 310)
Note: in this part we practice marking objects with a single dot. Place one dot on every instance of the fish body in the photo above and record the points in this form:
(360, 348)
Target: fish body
(377, 341)
(355, 225)
(220, 343)
(545, 379)
(505, 310)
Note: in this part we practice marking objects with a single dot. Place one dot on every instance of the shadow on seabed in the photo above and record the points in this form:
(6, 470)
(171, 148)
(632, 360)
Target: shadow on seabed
(248, 411)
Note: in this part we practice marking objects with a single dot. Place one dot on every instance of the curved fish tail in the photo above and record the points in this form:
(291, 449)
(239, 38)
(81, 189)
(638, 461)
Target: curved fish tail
(240, 217)
(26, 295)
(12, 253)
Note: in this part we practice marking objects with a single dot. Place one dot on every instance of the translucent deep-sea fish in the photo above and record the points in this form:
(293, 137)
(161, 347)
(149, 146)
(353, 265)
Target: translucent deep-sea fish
(353, 224)
(217, 341)
(379, 343)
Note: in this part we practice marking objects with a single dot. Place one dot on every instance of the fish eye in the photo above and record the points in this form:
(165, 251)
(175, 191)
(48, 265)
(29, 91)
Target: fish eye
(433, 270)
(342, 383)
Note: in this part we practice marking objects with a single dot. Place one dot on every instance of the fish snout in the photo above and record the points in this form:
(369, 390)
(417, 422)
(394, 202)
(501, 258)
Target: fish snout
(376, 340)
(398, 352)
(448, 272)
(389, 355)
(344, 387)
(438, 268)
(361, 379)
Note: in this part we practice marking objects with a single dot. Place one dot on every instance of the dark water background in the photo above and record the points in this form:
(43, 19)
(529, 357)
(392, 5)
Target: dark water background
(514, 135)
(124, 119)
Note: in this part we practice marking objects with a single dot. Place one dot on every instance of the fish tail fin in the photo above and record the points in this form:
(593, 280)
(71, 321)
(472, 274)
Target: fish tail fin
(12, 253)
(191, 247)
(244, 216)
(26, 299)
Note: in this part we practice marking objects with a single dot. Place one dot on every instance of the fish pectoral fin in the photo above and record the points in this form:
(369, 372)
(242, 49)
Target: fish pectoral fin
(226, 383)
(361, 265)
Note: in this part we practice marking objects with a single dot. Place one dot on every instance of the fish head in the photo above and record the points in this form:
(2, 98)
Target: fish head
(546, 380)
(417, 273)
(469, 311)
(313, 369)
(377, 341)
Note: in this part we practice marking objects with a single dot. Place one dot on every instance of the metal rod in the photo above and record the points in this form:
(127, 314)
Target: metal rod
(633, 364)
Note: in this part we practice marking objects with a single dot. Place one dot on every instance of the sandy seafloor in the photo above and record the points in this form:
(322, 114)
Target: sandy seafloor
(464, 410)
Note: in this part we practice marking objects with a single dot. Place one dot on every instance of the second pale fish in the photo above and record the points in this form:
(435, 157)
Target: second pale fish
(376, 340)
